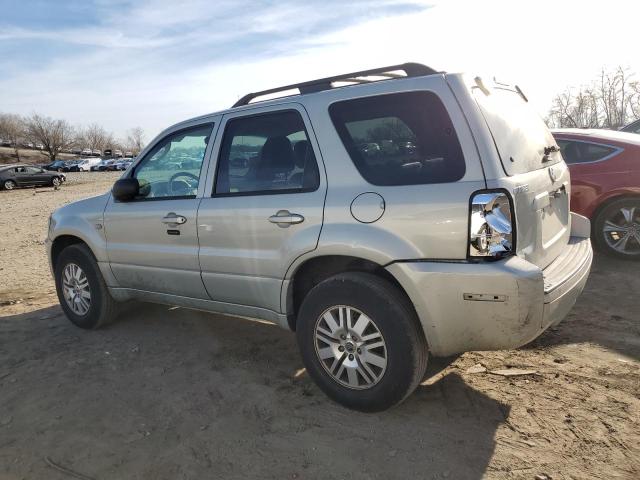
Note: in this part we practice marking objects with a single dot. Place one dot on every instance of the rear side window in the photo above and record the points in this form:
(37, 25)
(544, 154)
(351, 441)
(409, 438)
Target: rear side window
(266, 154)
(584, 152)
(400, 139)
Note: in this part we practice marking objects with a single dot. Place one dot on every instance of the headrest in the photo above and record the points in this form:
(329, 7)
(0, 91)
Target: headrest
(277, 154)
(300, 151)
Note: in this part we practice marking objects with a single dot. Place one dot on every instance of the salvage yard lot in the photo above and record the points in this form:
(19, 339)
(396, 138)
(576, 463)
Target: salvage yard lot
(171, 393)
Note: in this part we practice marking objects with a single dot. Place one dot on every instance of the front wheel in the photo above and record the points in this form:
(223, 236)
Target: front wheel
(616, 229)
(55, 182)
(9, 184)
(361, 341)
(81, 290)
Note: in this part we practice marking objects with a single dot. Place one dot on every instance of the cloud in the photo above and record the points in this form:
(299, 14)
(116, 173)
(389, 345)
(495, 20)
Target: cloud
(155, 62)
(135, 58)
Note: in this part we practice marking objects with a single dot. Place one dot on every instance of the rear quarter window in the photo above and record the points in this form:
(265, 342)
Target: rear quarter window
(584, 152)
(400, 139)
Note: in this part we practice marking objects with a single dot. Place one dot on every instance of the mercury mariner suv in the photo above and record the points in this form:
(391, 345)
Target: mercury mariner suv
(384, 216)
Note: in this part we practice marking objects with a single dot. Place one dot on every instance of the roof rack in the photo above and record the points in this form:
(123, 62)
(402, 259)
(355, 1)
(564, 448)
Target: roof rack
(354, 78)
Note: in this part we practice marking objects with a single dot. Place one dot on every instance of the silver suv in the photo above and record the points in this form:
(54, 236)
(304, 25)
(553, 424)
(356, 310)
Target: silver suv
(382, 215)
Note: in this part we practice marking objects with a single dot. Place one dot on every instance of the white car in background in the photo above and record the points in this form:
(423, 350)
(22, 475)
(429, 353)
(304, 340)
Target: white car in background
(86, 151)
(86, 164)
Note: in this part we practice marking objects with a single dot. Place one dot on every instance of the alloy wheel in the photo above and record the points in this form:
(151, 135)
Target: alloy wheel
(9, 185)
(76, 290)
(622, 230)
(350, 347)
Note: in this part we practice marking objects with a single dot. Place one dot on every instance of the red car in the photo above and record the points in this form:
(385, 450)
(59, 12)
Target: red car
(605, 186)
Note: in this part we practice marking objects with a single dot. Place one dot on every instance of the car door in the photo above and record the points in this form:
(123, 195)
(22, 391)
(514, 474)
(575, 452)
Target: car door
(19, 175)
(264, 205)
(39, 176)
(152, 241)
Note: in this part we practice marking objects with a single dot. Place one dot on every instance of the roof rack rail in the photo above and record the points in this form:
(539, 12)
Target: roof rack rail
(410, 70)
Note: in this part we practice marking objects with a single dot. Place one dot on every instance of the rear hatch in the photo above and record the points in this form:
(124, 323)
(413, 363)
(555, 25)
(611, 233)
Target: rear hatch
(536, 175)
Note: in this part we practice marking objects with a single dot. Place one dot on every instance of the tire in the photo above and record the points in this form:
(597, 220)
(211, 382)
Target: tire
(9, 185)
(60, 170)
(55, 182)
(623, 213)
(102, 308)
(394, 319)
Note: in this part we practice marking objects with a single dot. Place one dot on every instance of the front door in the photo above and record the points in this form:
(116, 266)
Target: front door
(264, 207)
(152, 241)
(32, 176)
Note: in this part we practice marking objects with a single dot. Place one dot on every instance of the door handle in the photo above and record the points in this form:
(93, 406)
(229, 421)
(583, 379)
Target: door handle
(284, 218)
(174, 219)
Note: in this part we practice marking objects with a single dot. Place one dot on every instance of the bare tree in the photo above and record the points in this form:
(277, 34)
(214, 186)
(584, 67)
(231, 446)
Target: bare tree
(54, 135)
(12, 130)
(95, 137)
(610, 102)
(135, 140)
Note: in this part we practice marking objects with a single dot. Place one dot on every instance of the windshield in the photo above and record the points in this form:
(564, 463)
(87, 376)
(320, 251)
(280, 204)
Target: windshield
(521, 136)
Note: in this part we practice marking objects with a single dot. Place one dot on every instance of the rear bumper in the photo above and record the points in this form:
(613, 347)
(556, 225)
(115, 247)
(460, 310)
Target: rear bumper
(497, 305)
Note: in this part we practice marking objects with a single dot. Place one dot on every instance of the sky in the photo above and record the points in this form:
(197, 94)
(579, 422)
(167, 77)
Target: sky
(152, 63)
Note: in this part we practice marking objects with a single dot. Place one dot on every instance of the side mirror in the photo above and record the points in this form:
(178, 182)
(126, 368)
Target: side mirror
(125, 189)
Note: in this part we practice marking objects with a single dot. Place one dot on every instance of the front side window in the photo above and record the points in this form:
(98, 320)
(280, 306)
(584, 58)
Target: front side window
(583, 152)
(173, 167)
(268, 153)
(400, 139)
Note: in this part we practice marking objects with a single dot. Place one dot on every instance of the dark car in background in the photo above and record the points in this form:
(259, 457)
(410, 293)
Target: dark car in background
(18, 175)
(633, 127)
(56, 166)
(72, 166)
(605, 186)
(107, 165)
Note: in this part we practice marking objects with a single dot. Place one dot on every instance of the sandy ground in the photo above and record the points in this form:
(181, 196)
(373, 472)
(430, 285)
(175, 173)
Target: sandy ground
(174, 394)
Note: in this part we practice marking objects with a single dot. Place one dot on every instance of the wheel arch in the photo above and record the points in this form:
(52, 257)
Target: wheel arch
(318, 268)
(63, 241)
(624, 195)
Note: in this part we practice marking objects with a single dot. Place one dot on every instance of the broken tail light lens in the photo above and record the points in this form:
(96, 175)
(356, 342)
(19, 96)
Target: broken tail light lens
(491, 228)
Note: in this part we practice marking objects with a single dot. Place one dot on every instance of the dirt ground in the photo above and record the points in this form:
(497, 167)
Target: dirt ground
(166, 393)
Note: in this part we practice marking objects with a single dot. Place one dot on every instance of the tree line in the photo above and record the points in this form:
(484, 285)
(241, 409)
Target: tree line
(609, 101)
(56, 135)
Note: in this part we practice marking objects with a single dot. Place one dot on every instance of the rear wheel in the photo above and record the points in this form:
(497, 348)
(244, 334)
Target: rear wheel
(82, 292)
(616, 229)
(9, 184)
(361, 341)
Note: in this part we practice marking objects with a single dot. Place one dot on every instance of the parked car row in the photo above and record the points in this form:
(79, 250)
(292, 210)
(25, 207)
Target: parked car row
(90, 164)
(111, 164)
(8, 143)
(20, 175)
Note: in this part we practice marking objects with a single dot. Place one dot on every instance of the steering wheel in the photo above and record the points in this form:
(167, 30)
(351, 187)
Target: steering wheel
(182, 174)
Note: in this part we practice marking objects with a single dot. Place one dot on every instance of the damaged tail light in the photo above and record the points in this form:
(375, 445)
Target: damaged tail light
(491, 225)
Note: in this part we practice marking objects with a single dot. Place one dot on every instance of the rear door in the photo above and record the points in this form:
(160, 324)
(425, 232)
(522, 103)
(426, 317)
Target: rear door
(536, 175)
(263, 207)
